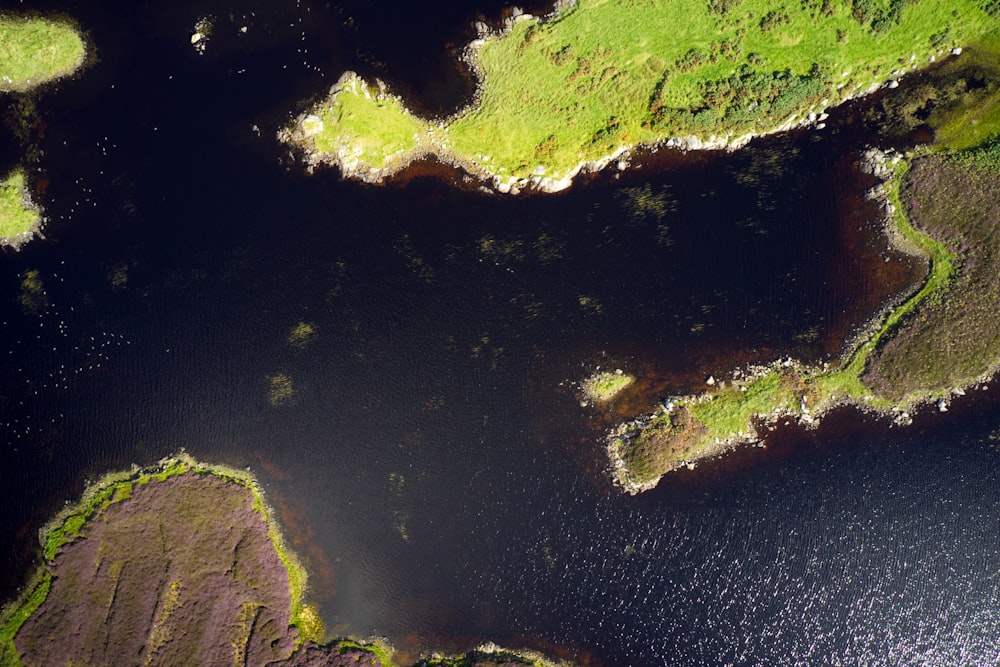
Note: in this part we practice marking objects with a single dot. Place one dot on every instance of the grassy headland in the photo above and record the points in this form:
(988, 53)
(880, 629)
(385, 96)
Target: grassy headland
(37, 50)
(182, 563)
(601, 76)
(944, 337)
(19, 217)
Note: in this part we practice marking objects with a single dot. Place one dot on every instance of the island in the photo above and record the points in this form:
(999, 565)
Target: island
(603, 386)
(923, 350)
(36, 51)
(19, 215)
(595, 79)
(182, 563)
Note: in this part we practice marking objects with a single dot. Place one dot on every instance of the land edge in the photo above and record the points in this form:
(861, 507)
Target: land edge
(88, 56)
(876, 162)
(32, 595)
(299, 139)
(15, 242)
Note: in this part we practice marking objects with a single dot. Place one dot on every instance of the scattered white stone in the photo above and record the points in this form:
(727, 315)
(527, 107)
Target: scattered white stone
(710, 381)
(312, 125)
(201, 34)
(942, 405)
(957, 51)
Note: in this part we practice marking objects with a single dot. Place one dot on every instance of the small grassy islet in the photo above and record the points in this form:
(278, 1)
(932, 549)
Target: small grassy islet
(19, 217)
(601, 76)
(602, 386)
(33, 51)
(36, 51)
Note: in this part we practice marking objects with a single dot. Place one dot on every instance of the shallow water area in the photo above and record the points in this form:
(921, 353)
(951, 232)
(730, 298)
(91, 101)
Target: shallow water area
(399, 366)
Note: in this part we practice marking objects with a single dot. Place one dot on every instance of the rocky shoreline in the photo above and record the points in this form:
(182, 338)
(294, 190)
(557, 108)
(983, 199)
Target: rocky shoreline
(880, 165)
(297, 136)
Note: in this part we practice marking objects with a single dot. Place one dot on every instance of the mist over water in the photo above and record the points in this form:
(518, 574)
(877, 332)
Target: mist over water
(423, 442)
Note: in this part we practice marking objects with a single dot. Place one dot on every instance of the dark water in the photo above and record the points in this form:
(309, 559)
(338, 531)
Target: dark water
(433, 465)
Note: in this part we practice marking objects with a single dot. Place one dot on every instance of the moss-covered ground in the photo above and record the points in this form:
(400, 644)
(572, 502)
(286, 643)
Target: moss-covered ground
(37, 50)
(18, 217)
(605, 385)
(602, 75)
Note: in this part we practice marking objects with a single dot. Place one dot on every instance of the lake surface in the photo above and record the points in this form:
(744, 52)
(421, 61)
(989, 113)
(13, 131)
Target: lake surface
(433, 464)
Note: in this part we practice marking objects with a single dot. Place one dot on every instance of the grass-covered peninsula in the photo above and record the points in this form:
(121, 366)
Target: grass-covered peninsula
(37, 50)
(598, 77)
(941, 339)
(181, 564)
(938, 203)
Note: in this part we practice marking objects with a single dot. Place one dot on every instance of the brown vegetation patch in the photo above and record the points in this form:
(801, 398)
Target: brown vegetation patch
(652, 451)
(954, 338)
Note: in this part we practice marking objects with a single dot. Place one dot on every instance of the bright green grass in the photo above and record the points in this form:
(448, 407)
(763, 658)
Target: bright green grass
(604, 385)
(381, 650)
(609, 74)
(33, 51)
(729, 411)
(15, 615)
(15, 217)
(362, 125)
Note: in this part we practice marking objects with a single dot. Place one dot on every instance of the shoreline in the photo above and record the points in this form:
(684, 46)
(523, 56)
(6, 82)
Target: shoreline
(90, 523)
(858, 351)
(432, 141)
(16, 181)
(60, 20)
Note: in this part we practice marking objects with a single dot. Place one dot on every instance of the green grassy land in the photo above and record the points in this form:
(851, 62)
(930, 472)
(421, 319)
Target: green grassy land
(699, 426)
(604, 386)
(16, 217)
(943, 336)
(36, 50)
(608, 74)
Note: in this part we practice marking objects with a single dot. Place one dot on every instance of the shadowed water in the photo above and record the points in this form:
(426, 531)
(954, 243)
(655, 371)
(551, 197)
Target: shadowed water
(424, 446)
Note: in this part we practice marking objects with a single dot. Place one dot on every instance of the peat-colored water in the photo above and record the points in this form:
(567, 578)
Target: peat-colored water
(433, 464)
